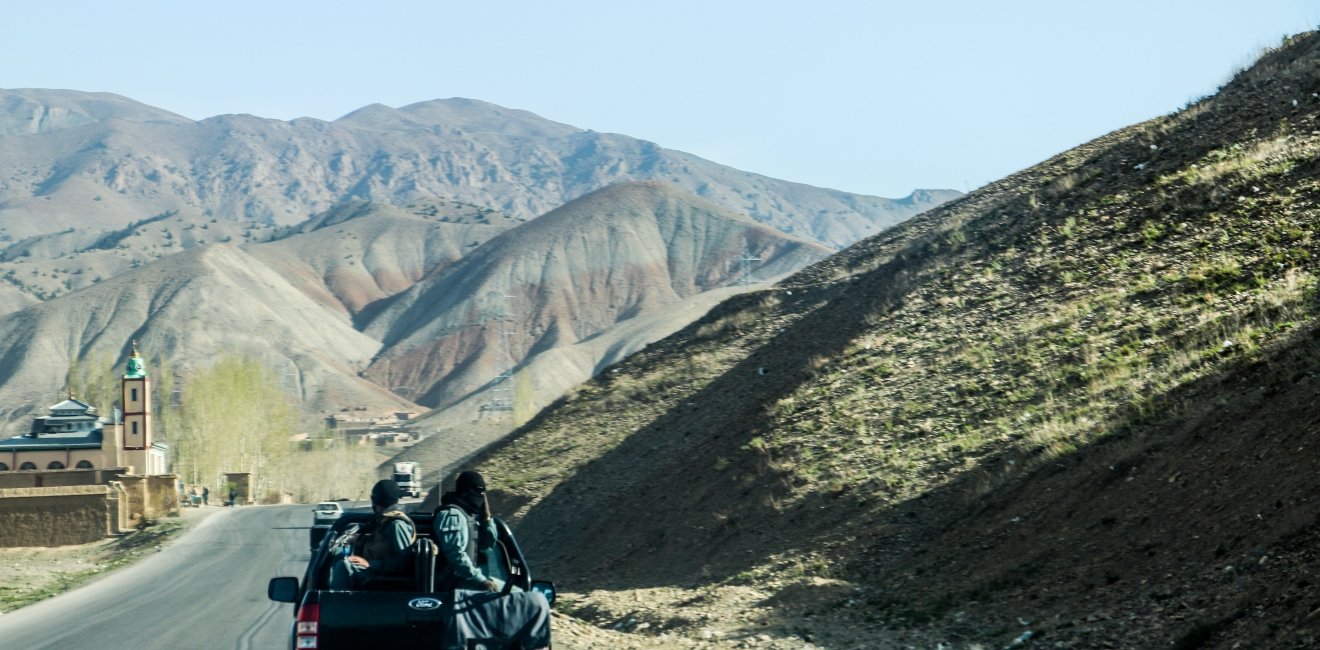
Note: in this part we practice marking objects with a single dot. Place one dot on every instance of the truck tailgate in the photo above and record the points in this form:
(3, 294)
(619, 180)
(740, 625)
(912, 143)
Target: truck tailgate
(369, 619)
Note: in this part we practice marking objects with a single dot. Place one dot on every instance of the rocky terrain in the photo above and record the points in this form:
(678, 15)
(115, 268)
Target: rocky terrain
(1072, 409)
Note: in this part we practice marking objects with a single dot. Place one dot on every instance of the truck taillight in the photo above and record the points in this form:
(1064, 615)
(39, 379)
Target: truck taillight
(306, 627)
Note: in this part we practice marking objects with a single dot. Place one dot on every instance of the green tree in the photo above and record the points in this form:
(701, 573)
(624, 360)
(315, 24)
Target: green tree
(233, 417)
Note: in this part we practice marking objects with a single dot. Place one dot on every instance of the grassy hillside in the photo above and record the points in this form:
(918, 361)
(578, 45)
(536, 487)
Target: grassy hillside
(1073, 403)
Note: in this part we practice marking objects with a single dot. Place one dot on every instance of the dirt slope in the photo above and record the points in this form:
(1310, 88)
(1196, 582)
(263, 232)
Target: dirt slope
(1072, 408)
(359, 254)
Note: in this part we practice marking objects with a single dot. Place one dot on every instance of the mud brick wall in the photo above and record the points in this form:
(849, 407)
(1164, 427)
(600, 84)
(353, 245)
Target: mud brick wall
(56, 516)
(162, 495)
(135, 497)
(119, 503)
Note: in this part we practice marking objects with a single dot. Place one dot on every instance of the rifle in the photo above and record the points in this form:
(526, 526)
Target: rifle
(342, 546)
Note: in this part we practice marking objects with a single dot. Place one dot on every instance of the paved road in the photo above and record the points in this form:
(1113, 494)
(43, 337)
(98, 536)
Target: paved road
(206, 590)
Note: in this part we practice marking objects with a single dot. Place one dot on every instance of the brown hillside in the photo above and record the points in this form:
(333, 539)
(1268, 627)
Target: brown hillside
(360, 253)
(1072, 409)
(623, 253)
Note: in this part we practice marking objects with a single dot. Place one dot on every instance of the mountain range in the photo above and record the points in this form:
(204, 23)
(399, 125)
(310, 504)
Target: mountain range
(85, 160)
(367, 259)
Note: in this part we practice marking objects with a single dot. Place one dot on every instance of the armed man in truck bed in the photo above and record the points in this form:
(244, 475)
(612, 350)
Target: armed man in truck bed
(465, 533)
(381, 546)
(484, 609)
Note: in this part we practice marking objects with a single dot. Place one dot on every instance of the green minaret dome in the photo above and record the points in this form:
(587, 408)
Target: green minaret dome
(135, 368)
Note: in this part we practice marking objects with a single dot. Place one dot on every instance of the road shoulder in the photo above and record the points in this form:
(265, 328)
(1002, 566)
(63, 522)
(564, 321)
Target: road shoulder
(36, 573)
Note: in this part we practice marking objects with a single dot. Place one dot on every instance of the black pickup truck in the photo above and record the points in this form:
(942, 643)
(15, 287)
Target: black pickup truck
(397, 611)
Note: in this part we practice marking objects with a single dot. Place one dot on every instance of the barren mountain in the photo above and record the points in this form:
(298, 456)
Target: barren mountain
(378, 219)
(50, 265)
(98, 162)
(1074, 409)
(30, 111)
(630, 251)
(594, 280)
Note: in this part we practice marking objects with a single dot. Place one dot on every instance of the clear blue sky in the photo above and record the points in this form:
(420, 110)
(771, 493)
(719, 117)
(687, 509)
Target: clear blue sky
(876, 97)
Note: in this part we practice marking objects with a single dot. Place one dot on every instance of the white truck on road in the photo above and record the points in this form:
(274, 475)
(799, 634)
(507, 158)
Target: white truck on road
(409, 477)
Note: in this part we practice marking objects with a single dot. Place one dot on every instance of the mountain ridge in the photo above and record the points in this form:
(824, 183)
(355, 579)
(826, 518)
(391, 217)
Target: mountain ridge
(356, 267)
(135, 161)
(353, 213)
(32, 111)
(179, 310)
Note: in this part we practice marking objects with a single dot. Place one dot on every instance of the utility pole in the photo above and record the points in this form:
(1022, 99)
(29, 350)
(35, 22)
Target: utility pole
(501, 390)
(293, 377)
(745, 278)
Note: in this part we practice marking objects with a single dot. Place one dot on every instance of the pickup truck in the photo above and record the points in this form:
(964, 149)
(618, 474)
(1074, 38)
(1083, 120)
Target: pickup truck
(396, 611)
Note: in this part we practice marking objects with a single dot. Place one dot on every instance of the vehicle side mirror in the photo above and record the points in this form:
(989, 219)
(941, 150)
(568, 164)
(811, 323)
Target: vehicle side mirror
(543, 587)
(285, 589)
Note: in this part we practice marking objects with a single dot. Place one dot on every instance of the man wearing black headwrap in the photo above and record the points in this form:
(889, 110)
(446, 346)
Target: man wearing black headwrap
(465, 532)
(381, 545)
(481, 612)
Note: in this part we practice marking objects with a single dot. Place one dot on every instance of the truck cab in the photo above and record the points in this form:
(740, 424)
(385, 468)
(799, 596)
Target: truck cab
(409, 477)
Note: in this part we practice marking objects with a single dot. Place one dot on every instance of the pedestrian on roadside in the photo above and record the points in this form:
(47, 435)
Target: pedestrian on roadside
(233, 497)
(206, 494)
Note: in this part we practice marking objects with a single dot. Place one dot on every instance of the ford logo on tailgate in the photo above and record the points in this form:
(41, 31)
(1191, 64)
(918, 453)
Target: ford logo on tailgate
(424, 604)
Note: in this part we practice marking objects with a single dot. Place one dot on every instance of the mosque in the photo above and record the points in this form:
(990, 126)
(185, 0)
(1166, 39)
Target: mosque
(73, 436)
